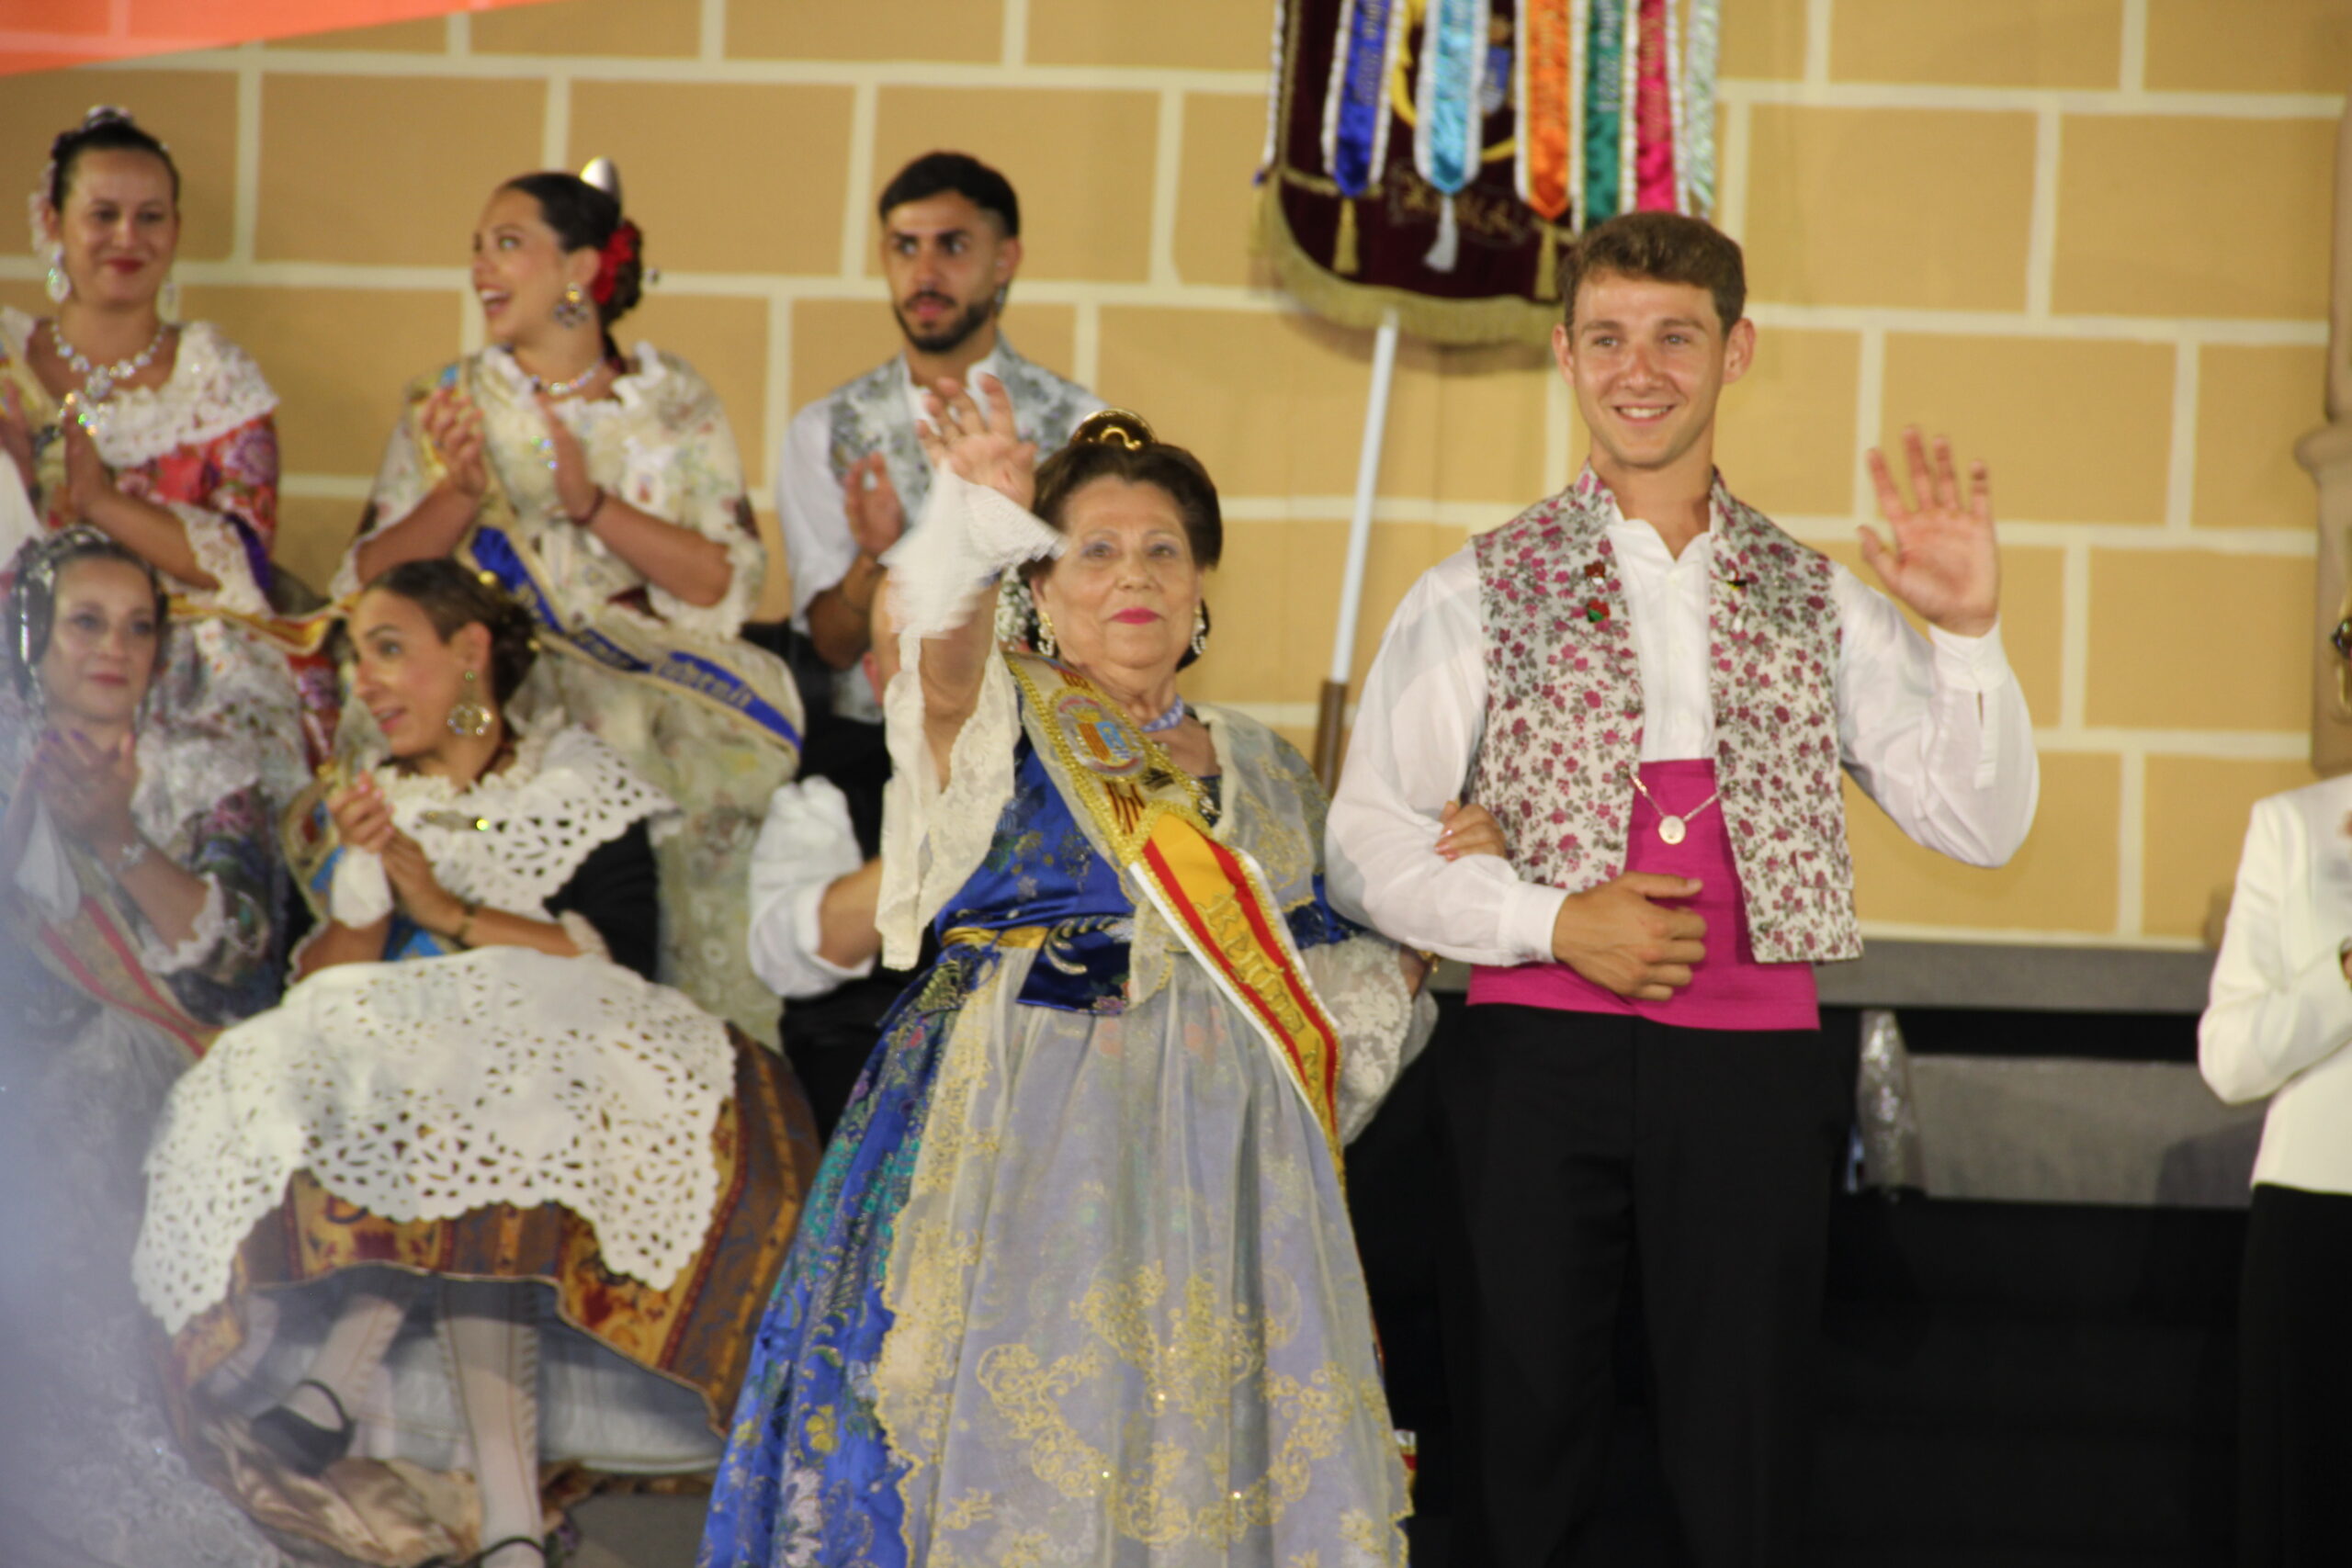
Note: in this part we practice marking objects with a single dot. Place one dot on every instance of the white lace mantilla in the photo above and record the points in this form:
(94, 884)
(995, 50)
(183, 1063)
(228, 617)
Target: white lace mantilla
(423, 1090)
(511, 840)
(214, 388)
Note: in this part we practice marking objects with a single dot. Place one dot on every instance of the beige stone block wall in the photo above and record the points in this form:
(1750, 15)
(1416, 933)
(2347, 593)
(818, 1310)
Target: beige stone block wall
(2088, 237)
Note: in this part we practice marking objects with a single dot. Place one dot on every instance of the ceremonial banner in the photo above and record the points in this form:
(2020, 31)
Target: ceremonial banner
(1434, 157)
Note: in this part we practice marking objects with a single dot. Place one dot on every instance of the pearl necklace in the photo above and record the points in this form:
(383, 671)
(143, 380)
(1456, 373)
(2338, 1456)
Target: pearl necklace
(562, 388)
(1168, 720)
(98, 381)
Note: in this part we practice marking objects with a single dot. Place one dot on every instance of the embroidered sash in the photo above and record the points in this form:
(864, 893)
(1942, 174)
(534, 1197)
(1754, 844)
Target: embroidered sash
(706, 673)
(1213, 895)
(93, 950)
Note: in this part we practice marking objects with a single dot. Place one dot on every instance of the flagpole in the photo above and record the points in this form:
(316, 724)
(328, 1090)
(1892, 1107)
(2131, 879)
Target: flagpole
(1332, 710)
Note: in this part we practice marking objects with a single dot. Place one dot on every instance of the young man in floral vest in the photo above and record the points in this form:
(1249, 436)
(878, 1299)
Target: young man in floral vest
(1653, 689)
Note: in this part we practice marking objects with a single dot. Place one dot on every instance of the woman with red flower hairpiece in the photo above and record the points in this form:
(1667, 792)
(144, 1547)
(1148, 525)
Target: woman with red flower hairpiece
(604, 491)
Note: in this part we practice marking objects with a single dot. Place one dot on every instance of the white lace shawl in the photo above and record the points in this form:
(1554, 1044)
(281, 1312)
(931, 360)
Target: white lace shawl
(214, 388)
(512, 839)
(661, 443)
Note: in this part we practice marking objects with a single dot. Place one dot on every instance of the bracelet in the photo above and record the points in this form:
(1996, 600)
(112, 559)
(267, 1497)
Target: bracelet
(131, 855)
(589, 516)
(464, 935)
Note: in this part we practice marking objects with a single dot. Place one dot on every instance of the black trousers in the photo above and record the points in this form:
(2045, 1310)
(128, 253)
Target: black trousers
(2295, 1380)
(1581, 1146)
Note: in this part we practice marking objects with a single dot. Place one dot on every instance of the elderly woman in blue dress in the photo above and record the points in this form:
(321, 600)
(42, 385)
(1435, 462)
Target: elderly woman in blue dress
(1076, 1284)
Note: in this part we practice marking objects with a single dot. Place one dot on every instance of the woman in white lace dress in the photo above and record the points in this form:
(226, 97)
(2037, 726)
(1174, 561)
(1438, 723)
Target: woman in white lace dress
(478, 1195)
(160, 434)
(1076, 1285)
(604, 489)
(139, 898)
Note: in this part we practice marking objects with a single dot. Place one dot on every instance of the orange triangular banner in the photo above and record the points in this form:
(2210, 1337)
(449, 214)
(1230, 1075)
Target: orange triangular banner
(45, 35)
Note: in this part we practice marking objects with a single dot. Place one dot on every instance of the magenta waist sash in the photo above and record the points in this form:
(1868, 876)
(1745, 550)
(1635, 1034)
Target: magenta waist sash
(1730, 989)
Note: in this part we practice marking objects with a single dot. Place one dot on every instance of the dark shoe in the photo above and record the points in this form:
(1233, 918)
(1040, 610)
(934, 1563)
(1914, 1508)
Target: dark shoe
(479, 1558)
(300, 1443)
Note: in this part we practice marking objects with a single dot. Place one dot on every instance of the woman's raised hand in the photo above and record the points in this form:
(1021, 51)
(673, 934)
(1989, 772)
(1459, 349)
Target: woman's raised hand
(453, 426)
(977, 441)
(420, 895)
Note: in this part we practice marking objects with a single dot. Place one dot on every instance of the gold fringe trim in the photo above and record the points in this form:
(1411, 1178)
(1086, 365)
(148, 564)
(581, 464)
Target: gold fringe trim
(1344, 249)
(1462, 322)
(1547, 264)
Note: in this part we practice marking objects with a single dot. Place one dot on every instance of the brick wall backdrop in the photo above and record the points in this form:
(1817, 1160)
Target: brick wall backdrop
(2088, 237)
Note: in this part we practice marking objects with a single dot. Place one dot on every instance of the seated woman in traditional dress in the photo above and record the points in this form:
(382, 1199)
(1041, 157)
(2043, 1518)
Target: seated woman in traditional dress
(139, 896)
(474, 1113)
(1076, 1284)
(161, 436)
(604, 490)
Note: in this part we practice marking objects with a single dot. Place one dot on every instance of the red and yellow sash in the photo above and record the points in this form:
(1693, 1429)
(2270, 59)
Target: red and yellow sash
(1146, 811)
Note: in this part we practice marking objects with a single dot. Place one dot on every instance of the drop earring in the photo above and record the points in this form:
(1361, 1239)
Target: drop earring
(571, 310)
(1200, 628)
(1047, 644)
(167, 299)
(470, 716)
(57, 285)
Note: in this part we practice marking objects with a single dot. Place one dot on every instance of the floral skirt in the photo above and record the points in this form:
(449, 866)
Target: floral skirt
(1073, 1289)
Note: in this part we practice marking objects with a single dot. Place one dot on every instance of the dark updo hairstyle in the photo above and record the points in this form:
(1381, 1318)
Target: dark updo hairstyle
(585, 217)
(1117, 443)
(454, 597)
(32, 594)
(104, 129)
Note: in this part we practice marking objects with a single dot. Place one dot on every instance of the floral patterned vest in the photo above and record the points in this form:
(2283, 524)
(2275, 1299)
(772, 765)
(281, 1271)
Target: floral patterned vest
(1564, 713)
(869, 414)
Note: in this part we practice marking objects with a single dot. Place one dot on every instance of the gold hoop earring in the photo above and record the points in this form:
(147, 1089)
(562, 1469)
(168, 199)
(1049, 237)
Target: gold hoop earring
(469, 716)
(1047, 645)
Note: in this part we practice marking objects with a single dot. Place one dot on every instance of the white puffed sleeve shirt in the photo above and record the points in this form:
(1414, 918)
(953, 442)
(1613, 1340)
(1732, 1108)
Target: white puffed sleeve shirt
(1934, 730)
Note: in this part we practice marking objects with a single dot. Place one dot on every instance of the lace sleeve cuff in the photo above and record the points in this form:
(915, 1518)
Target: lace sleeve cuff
(747, 569)
(212, 927)
(935, 837)
(584, 935)
(220, 549)
(969, 534)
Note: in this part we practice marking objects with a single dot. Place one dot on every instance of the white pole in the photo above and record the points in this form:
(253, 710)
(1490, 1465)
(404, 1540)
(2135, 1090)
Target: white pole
(1376, 427)
(1333, 705)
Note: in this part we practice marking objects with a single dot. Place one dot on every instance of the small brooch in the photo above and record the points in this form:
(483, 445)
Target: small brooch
(1597, 611)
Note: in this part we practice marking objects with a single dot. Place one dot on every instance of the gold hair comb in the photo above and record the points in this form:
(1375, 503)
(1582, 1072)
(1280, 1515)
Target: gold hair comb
(1113, 427)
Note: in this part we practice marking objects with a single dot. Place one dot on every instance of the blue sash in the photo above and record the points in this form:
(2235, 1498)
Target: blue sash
(697, 675)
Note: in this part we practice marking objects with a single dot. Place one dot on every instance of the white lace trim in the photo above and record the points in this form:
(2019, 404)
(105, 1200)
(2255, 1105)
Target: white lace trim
(426, 1089)
(211, 927)
(969, 536)
(565, 793)
(934, 838)
(214, 388)
(219, 550)
(585, 937)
